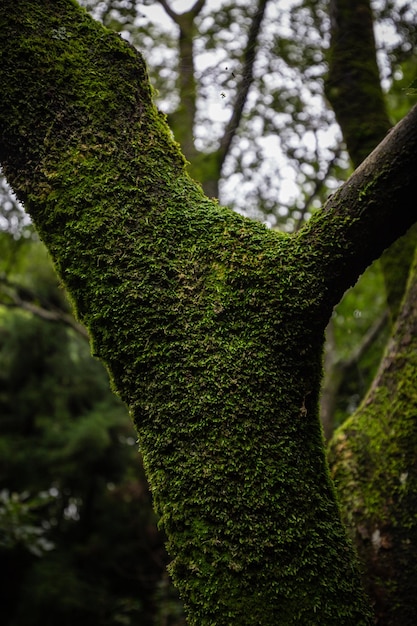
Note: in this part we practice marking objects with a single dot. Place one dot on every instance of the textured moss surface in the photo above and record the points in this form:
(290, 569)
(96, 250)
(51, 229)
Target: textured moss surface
(211, 326)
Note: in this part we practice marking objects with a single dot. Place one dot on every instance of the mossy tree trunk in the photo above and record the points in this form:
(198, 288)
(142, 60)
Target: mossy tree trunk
(211, 326)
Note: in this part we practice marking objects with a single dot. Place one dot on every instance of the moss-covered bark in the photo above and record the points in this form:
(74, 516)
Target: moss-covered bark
(211, 326)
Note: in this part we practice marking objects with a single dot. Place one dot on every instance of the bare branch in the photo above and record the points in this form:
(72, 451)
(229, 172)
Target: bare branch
(367, 340)
(197, 6)
(318, 186)
(176, 17)
(337, 369)
(245, 82)
(168, 10)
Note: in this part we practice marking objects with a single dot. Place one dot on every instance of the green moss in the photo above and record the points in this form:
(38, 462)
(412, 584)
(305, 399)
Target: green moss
(211, 327)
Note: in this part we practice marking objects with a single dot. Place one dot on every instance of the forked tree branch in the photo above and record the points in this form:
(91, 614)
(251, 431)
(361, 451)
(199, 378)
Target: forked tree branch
(176, 17)
(210, 324)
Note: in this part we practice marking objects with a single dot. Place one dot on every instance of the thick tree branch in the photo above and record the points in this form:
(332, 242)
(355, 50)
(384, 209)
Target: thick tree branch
(368, 213)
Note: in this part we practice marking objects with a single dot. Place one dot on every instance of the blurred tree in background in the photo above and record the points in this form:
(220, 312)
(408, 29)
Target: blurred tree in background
(243, 88)
(78, 537)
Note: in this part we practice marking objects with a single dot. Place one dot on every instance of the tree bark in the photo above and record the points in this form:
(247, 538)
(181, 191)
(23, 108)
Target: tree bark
(211, 326)
(353, 86)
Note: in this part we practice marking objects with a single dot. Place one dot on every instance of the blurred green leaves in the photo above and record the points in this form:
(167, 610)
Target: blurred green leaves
(78, 536)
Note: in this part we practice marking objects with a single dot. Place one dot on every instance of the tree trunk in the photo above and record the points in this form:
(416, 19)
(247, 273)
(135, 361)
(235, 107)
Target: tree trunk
(353, 86)
(211, 326)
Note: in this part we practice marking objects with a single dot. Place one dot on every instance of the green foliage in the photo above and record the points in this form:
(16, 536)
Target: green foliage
(19, 525)
(78, 536)
(361, 309)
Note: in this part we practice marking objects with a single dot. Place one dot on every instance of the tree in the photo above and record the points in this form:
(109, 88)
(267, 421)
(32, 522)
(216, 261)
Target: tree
(211, 325)
(373, 463)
